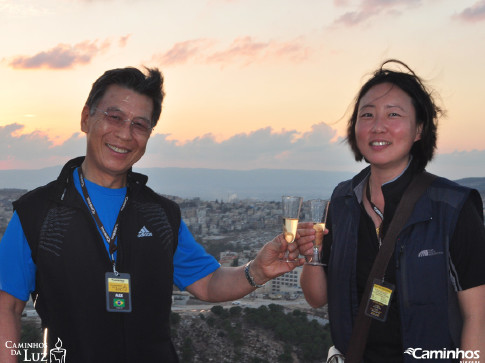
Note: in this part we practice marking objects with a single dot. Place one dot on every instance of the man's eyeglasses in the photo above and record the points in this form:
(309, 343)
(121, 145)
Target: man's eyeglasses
(138, 125)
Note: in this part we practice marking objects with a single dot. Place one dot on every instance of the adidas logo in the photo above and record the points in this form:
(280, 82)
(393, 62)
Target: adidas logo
(144, 232)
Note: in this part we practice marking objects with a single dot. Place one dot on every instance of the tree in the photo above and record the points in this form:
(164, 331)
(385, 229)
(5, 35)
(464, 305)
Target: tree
(235, 311)
(187, 350)
(174, 318)
(210, 321)
(286, 357)
(217, 310)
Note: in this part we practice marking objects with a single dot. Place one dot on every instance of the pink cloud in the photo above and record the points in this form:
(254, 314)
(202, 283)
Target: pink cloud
(340, 2)
(64, 56)
(123, 40)
(474, 13)
(182, 52)
(240, 49)
(243, 50)
(368, 9)
(294, 50)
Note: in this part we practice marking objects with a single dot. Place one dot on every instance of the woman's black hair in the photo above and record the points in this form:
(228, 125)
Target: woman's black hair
(427, 112)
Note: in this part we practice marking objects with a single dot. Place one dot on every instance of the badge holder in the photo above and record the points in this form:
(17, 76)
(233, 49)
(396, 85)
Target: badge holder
(379, 300)
(118, 292)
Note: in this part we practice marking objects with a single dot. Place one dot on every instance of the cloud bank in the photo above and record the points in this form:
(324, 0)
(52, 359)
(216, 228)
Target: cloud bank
(263, 148)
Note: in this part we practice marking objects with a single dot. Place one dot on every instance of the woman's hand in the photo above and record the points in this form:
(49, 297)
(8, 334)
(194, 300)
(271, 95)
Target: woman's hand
(305, 238)
(313, 281)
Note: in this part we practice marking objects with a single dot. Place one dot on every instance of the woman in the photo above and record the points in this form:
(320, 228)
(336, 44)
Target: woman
(437, 269)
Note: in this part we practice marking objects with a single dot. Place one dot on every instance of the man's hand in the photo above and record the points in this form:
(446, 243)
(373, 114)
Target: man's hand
(270, 261)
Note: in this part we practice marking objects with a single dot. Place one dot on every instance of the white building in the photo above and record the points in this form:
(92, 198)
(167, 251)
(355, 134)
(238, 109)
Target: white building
(287, 284)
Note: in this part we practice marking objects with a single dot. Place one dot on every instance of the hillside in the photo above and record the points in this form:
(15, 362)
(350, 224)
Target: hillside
(249, 335)
(245, 335)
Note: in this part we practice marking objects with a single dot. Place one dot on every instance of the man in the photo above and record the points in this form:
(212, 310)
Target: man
(100, 250)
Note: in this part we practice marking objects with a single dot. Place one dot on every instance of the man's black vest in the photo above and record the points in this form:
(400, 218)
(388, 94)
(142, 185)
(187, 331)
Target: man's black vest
(71, 261)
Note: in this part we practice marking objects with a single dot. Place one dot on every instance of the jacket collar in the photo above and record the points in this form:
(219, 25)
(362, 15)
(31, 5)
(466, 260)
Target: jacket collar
(358, 183)
(393, 192)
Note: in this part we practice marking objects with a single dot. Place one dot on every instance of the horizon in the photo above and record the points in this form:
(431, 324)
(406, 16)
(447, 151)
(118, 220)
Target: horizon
(218, 184)
(143, 168)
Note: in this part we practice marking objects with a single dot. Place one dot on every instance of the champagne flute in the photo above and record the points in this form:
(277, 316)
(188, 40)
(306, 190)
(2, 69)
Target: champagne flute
(319, 209)
(291, 214)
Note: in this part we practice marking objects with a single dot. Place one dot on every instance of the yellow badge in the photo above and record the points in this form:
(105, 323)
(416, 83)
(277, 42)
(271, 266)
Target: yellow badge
(379, 300)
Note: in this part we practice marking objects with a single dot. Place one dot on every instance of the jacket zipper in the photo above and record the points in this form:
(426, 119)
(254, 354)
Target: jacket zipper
(404, 280)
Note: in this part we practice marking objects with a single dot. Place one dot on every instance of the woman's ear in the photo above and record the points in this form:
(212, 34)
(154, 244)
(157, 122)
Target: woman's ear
(419, 130)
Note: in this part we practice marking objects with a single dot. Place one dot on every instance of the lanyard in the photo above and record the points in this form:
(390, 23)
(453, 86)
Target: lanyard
(376, 211)
(109, 239)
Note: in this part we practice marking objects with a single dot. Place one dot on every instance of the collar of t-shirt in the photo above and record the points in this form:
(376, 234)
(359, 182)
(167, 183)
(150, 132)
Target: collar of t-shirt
(106, 201)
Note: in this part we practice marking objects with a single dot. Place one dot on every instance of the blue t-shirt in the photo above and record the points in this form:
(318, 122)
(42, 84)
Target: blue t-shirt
(17, 270)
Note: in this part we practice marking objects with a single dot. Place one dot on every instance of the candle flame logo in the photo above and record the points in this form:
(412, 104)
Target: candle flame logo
(58, 344)
(58, 354)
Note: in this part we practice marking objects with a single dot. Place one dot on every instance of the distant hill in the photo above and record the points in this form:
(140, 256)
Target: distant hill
(476, 183)
(211, 184)
(262, 184)
(208, 184)
(28, 179)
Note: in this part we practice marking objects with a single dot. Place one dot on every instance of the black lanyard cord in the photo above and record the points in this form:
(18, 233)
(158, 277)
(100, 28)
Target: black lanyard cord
(109, 239)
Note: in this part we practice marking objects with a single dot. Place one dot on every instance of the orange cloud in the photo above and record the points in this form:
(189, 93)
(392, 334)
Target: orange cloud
(242, 50)
(64, 56)
(474, 13)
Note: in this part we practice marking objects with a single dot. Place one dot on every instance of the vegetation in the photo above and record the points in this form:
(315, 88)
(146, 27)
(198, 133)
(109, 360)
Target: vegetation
(174, 318)
(306, 339)
(294, 329)
(187, 350)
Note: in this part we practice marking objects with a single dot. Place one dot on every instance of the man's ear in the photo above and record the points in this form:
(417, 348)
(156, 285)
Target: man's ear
(84, 119)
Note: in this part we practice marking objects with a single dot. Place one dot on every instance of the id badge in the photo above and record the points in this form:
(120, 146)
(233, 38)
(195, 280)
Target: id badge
(380, 299)
(118, 292)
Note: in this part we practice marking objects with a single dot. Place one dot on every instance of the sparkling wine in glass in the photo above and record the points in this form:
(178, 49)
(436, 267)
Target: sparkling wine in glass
(319, 210)
(291, 214)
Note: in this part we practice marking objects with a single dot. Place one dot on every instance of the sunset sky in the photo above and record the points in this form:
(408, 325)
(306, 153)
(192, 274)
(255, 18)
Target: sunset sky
(249, 84)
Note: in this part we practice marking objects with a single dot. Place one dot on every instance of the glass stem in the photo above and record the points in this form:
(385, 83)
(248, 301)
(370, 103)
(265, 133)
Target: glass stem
(316, 257)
